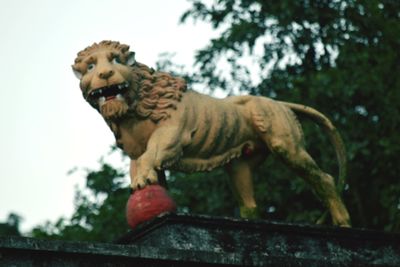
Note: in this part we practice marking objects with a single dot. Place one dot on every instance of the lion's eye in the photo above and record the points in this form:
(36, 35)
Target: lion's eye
(115, 60)
(90, 67)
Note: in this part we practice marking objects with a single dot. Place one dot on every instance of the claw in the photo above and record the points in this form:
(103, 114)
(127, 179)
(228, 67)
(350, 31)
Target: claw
(148, 181)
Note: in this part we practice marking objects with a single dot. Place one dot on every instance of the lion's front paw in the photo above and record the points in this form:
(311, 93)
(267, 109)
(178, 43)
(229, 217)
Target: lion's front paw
(140, 181)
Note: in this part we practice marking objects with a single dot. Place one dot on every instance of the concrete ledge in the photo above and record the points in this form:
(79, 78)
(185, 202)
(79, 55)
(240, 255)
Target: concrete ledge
(186, 240)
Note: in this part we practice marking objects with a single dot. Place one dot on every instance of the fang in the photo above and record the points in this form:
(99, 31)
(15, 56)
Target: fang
(101, 100)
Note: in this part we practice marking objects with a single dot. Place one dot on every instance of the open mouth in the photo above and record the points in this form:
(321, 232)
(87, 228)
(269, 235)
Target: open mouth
(103, 94)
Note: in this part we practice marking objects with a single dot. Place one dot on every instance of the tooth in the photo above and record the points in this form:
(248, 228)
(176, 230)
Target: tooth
(102, 100)
(119, 97)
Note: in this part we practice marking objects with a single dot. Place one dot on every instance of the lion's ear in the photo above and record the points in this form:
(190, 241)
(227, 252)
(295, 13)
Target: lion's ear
(77, 73)
(131, 59)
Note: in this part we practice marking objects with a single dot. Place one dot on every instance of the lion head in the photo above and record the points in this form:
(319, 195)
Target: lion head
(117, 86)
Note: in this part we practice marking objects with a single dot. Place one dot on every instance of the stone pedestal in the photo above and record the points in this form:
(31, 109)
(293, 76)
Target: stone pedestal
(185, 240)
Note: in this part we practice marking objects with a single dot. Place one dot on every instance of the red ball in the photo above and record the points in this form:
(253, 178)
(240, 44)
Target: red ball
(148, 203)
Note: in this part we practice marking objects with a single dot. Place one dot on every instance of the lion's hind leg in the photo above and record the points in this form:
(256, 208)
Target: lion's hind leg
(280, 130)
(297, 158)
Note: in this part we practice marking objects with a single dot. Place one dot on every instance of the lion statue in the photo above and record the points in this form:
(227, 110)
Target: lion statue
(160, 124)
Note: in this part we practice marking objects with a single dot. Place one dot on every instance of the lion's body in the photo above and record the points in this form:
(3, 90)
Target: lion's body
(215, 131)
(161, 125)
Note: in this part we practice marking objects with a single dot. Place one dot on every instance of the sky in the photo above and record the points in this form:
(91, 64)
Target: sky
(47, 128)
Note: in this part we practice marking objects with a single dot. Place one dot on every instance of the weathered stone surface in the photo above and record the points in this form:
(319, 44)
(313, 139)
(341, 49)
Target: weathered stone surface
(257, 243)
(183, 240)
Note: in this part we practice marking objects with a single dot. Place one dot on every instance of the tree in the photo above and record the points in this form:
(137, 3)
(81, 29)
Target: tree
(11, 225)
(99, 209)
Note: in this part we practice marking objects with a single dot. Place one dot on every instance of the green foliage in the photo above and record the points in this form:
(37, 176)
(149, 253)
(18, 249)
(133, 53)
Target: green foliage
(11, 225)
(99, 210)
(202, 193)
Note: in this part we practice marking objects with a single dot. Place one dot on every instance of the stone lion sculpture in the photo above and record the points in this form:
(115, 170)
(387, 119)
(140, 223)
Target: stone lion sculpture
(161, 125)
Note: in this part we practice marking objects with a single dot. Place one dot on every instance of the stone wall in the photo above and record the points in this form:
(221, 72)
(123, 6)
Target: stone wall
(184, 240)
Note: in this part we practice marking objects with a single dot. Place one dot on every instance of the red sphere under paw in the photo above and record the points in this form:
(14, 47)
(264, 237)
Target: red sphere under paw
(147, 203)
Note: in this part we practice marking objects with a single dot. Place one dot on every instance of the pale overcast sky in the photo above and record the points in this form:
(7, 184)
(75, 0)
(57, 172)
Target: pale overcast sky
(47, 128)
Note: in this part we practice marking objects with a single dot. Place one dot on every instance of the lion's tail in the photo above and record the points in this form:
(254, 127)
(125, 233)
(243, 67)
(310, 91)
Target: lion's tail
(333, 134)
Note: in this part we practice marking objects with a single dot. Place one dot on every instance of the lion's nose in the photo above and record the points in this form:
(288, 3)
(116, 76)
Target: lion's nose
(105, 74)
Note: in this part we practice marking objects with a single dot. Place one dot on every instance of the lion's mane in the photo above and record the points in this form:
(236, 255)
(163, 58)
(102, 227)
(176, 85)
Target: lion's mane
(157, 93)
